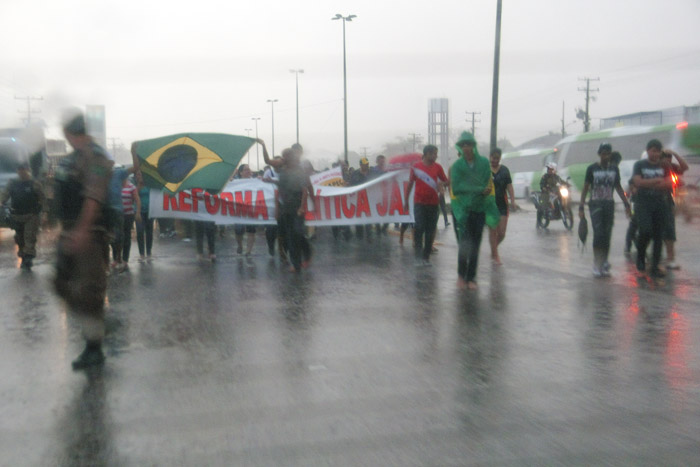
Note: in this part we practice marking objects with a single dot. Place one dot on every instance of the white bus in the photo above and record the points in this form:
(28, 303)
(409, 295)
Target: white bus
(526, 168)
(575, 153)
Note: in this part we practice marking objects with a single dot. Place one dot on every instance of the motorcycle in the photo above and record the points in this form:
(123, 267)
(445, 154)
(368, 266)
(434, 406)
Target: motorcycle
(557, 206)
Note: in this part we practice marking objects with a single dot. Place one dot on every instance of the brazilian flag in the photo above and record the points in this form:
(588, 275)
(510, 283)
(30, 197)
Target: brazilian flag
(191, 160)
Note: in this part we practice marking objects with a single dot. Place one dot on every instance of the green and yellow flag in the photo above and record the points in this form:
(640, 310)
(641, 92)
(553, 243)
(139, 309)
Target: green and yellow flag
(190, 160)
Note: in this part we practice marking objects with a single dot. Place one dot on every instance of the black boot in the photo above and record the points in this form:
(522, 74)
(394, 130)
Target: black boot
(91, 356)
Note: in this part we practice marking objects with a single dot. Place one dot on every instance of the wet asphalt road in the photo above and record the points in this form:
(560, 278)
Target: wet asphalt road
(363, 359)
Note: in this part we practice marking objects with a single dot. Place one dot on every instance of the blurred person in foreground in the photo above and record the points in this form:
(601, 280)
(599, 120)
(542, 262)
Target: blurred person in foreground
(27, 202)
(82, 181)
(294, 191)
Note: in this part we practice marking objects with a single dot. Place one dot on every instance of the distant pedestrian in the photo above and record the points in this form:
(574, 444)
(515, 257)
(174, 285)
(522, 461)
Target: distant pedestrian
(653, 181)
(677, 169)
(27, 202)
(115, 212)
(359, 177)
(427, 175)
(131, 203)
(602, 179)
(82, 181)
(144, 228)
(503, 188)
(473, 206)
(244, 172)
(273, 233)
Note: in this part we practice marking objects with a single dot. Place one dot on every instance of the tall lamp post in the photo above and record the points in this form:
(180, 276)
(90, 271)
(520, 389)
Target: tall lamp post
(496, 66)
(345, 82)
(272, 103)
(248, 130)
(257, 146)
(296, 72)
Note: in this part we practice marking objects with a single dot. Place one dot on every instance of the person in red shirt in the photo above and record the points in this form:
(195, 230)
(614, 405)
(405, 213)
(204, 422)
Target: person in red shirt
(427, 175)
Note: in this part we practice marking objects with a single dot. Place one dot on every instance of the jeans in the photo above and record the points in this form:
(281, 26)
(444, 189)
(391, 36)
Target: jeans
(426, 217)
(469, 242)
(144, 228)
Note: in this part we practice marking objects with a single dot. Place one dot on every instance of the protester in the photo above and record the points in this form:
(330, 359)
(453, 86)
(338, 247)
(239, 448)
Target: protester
(82, 181)
(273, 233)
(631, 235)
(131, 203)
(503, 186)
(601, 179)
(375, 172)
(653, 181)
(244, 172)
(27, 202)
(677, 170)
(294, 190)
(472, 187)
(359, 177)
(144, 225)
(116, 215)
(208, 228)
(427, 175)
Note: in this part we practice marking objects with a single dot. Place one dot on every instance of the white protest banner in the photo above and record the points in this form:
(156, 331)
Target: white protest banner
(252, 201)
(330, 177)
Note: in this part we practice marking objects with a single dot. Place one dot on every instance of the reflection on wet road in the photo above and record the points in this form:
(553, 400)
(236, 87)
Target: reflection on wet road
(363, 359)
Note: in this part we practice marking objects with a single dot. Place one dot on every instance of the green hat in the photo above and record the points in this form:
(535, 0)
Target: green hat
(466, 137)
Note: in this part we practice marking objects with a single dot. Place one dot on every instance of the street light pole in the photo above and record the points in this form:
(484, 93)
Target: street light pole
(248, 130)
(496, 66)
(272, 103)
(296, 72)
(257, 146)
(345, 82)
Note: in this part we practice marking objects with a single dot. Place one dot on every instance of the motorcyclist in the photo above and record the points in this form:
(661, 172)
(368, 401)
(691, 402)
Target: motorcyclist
(550, 182)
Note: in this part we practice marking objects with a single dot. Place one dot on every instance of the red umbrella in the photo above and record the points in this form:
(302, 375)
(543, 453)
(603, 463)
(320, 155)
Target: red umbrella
(403, 161)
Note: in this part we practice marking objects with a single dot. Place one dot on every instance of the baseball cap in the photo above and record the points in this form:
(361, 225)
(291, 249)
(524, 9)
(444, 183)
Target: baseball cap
(364, 161)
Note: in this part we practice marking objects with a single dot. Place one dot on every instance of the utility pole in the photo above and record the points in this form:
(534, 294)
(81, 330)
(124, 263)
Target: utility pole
(563, 124)
(364, 150)
(588, 91)
(473, 120)
(29, 100)
(415, 136)
(114, 146)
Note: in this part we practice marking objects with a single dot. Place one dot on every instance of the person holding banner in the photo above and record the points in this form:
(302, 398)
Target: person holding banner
(474, 205)
(427, 175)
(294, 190)
(239, 229)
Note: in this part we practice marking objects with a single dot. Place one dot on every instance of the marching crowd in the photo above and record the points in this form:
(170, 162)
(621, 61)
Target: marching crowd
(98, 206)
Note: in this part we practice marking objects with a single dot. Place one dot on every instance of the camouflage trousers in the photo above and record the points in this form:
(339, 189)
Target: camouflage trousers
(81, 280)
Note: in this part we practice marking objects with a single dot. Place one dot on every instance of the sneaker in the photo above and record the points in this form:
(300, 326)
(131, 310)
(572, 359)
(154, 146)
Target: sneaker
(91, 356)
(149, 258)
(605, 268)
(142, 259)
(187, 239)
(597, 272)
(673, 265)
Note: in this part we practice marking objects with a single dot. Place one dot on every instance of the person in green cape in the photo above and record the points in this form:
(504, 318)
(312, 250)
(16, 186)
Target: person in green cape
(473, 206)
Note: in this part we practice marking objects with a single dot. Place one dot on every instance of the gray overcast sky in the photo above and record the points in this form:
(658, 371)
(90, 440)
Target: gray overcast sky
(168, 67)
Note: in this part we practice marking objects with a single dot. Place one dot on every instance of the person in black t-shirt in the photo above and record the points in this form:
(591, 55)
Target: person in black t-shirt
(503, 186)
(602, 180)
(653, 181)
